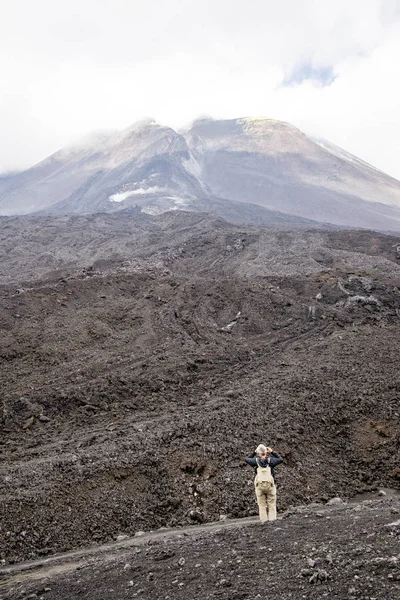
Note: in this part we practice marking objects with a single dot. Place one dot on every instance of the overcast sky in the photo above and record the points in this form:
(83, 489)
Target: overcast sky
(330, 67)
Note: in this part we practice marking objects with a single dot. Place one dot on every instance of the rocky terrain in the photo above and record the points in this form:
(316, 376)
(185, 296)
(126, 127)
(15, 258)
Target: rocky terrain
(143, 357)
(247, 171)
(316, 551)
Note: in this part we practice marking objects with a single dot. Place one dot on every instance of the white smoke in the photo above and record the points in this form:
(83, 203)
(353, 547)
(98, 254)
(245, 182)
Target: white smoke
(121, 196)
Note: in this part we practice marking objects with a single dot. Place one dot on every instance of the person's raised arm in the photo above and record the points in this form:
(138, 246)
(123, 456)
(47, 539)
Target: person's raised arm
(275, 458)
(251, 459)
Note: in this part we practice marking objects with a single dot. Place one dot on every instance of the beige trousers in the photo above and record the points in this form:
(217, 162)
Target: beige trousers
(266, 500)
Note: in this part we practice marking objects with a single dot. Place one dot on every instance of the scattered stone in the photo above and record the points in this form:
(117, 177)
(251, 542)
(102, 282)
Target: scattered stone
(313, 578)
(28, 423)
(44, 419)
(323, 575)
(181, 562)
(130, 583)
(393, 525)
(196, 515)
(311, 312)
(381, 493)
(139, 533)
(164, 555)
(318, 296)
(335, 501)
(305, 572)
(319, 576)
(311, 562)
(228, 328)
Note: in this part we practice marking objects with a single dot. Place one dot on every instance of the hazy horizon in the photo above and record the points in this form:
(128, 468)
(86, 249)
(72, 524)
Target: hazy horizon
(331, 69)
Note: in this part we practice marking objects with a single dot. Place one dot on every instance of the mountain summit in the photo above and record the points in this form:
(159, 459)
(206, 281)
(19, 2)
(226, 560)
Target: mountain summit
(245, 170)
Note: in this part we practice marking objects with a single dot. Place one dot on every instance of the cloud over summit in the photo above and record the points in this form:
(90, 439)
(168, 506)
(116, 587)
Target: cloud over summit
(330, 68)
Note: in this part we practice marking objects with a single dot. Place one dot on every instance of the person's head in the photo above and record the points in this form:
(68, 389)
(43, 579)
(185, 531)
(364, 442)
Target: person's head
(261, 450)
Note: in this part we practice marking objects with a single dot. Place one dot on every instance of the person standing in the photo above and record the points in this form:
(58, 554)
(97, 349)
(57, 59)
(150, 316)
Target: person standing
(264, 460)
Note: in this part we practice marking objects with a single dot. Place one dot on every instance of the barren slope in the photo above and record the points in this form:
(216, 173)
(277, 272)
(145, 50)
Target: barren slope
(244, 170)
(201, 339)
(273, 164)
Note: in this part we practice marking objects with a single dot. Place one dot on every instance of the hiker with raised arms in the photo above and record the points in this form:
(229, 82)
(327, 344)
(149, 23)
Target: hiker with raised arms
(264, 460)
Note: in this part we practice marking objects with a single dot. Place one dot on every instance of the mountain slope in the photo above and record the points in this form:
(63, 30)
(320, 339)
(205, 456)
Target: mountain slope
(121, 334)
(97, 164)
(239, 169)
(273, 164)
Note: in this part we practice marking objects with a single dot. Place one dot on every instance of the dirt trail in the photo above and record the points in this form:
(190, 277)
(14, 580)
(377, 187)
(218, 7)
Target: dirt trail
(70, 561)
(341, 551)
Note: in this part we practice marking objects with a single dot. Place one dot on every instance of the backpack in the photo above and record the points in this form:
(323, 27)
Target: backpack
(264, 478)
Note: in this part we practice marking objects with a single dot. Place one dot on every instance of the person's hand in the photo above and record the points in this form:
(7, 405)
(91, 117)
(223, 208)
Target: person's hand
(269, 450)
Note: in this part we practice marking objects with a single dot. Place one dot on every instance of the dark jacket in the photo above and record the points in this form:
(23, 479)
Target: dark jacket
(273, 460)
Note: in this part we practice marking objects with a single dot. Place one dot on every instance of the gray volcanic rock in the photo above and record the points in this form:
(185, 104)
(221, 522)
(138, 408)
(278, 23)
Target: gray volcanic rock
(41, 247)
(249, 171)
(83, 178)
(273, 164)
(132, 332)
(349, 553)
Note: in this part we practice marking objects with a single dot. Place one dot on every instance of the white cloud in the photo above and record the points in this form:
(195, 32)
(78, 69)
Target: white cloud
(103, 64)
